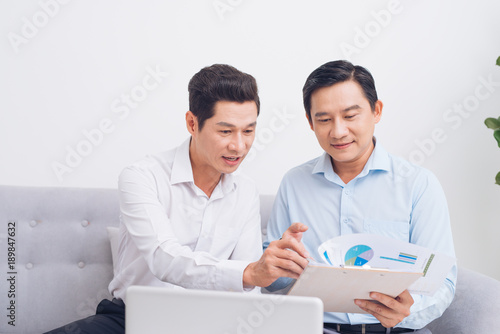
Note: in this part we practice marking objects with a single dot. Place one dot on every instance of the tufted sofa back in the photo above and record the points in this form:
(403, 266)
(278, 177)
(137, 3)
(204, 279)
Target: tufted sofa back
(55, 254)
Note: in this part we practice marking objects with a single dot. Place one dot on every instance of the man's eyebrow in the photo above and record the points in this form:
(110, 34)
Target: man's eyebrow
(324, 113)
(229, 125)
(321, 113)
(355, 106)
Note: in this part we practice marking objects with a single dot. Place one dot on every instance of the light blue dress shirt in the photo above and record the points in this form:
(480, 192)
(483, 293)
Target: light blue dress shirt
(391, 197)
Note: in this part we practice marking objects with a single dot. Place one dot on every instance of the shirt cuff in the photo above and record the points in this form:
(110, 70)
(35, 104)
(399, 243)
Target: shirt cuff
(280, 284)
(230, 275)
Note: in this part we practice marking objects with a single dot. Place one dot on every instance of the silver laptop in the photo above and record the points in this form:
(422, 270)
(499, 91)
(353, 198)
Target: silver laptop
(155, 310)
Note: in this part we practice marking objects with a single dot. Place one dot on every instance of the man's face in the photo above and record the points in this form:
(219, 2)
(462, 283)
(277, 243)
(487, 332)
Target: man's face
(343, 121)
(225, 139)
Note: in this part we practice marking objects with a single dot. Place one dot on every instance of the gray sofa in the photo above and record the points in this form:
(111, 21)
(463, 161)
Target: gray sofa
(56, 263)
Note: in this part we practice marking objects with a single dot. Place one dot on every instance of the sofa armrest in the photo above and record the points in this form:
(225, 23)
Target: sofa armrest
(474, 309)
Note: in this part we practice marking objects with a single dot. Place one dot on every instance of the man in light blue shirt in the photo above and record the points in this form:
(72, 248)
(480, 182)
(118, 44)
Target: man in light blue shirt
(356, 186)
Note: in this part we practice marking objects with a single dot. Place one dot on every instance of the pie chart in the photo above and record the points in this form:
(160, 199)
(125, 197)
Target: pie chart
(358, 255)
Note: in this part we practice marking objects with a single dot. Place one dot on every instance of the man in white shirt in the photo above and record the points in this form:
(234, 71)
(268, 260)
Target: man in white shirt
(186, 221)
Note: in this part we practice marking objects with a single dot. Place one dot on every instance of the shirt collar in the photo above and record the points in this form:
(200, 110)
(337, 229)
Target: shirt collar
(181, 167)
(378, 160)
(228, 183)
(183, 172)
(324, 166)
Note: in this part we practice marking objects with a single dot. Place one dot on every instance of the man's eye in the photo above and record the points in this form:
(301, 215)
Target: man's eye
(225, 132)
(248, 131)
(350, 116)
(323, 120)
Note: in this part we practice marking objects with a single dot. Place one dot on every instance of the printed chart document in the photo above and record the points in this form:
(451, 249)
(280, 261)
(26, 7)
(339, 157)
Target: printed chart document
(357, 264)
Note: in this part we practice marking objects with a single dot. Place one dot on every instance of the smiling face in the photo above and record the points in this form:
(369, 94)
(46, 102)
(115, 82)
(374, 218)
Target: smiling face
(344, 123)
(225, 139)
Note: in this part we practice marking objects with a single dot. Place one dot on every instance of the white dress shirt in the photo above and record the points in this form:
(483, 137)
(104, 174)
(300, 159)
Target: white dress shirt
(173, 235)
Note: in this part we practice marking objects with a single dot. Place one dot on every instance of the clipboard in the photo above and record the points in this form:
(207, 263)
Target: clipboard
(337, 287)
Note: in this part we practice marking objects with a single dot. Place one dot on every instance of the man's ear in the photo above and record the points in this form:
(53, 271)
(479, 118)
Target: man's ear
(377, 112)
(310, 121)
(191, 122)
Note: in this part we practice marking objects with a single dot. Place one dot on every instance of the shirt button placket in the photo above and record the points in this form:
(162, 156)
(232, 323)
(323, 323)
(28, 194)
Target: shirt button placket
(345, 228)
(204, 241)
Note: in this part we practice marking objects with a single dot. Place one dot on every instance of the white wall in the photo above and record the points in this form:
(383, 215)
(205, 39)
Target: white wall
(66, 72)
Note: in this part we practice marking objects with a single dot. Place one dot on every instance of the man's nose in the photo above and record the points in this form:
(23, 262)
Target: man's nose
(237, 143)
(339, 129)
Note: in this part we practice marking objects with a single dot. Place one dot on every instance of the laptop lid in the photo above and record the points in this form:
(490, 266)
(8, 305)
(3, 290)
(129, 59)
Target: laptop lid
(156, 310)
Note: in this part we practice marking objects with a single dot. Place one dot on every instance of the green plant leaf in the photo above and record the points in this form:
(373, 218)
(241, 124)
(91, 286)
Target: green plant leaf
(496, 134)
(498, 61)
(497, 178)
(492, 123)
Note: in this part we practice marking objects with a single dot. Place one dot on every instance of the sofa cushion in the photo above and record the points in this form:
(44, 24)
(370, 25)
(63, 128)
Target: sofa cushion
(473, 309)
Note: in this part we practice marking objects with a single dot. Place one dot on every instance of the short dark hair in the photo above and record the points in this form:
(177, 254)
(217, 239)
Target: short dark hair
(339, 71)
(219, 82)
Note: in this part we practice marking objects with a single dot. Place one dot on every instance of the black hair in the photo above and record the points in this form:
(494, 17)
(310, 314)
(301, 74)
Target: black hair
(219, 82)
(339, 71)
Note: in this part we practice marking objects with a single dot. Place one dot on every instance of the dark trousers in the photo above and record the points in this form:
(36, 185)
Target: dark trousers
(109, 319)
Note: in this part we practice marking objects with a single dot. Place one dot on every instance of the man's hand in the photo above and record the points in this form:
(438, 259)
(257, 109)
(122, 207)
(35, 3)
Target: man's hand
(286, 257)
(390, 311)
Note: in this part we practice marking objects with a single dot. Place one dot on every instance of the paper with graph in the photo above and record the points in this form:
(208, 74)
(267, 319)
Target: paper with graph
(357, 264)
(377, 251)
